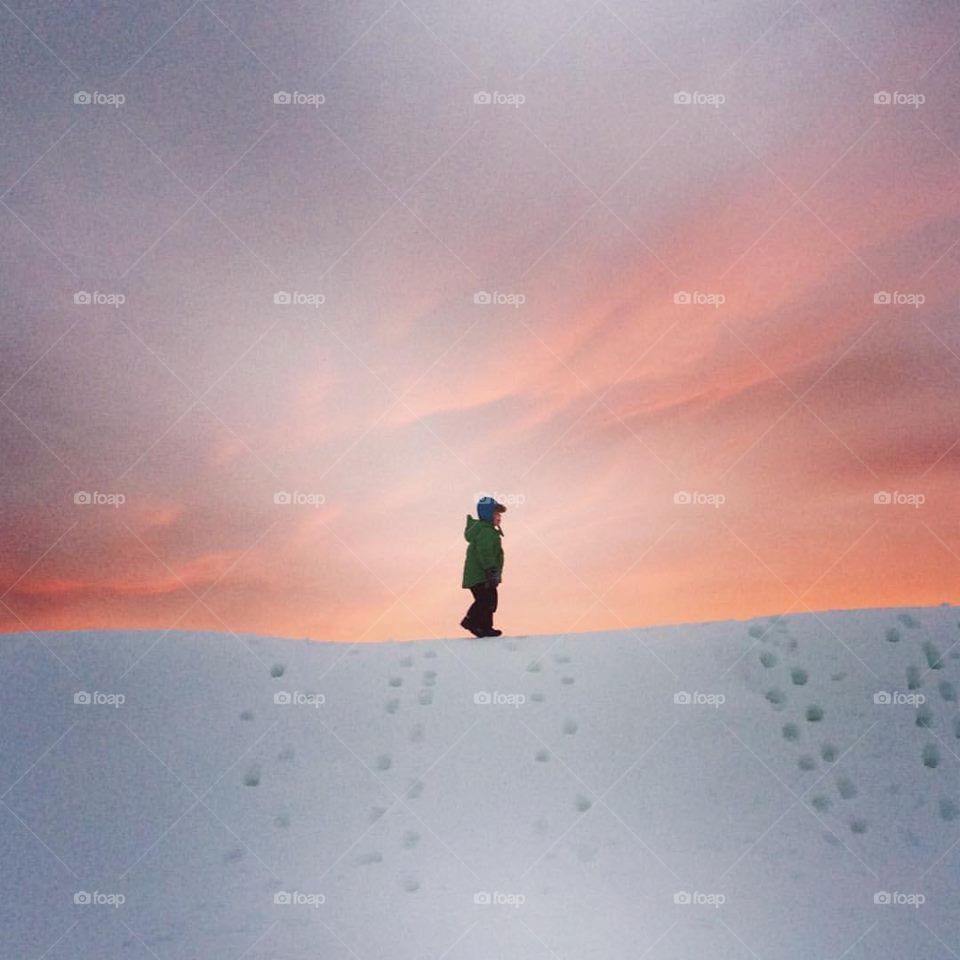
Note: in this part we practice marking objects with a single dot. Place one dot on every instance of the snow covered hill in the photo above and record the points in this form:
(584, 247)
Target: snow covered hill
(783, 787)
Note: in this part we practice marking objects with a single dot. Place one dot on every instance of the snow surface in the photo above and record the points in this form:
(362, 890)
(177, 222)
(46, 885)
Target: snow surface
(564, 818)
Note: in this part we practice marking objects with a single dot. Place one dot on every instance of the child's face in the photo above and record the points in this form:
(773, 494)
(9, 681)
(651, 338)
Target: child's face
(497, 514)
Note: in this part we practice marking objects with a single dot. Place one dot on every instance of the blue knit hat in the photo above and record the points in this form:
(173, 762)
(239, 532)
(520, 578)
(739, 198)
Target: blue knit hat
(486, 507)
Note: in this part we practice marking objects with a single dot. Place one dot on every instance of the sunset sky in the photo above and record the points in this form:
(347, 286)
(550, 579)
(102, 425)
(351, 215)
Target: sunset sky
(588, 204)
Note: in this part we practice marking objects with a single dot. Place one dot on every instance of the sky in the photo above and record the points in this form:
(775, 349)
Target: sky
(288, 287)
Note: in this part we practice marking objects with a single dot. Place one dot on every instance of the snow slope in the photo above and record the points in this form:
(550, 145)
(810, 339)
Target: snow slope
(528, 797)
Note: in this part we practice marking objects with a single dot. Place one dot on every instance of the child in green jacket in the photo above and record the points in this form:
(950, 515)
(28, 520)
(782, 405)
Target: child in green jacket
(483, 566)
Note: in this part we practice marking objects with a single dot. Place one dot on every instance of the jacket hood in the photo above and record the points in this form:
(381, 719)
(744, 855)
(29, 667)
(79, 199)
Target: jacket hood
(474, 526)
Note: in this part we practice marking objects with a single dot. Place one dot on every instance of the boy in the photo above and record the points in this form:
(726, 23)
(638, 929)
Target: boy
(483, 566)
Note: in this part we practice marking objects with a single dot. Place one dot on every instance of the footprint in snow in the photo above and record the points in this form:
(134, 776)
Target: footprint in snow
(814, 713)
(416, 789)
(246, 715)
(934, 657)
(757, 632)
(836, 677)
(908, 620)
(949, 809)
(924, 716)
(561, 658)
(542, 756)
(425, 697)
(538, 697)
(948, 691)
(395, 681)
(776, 696)
(410, 839)
(820, 803)
(799, 676)
(828, 752)
(410, 884)
(281, 821)
(791, 731)
(956, 727)
(416, 733)
(384, 761)
(366, 859)
(806, 762)
(914, 679)
(846, 788)
(392, 705)
(858, 826)
(768, 658)
(931, 756)
(567, 680)
(570, 727)
(406, 661)
(892, 635)
(376, 813)
(429, 678)
(533, 666)
(233, 854)
(582, 803)
(430, 654)
(286, 754)
(277, 670)
(252, 777)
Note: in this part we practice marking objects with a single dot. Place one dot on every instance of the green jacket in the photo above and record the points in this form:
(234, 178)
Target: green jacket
(484, 550)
